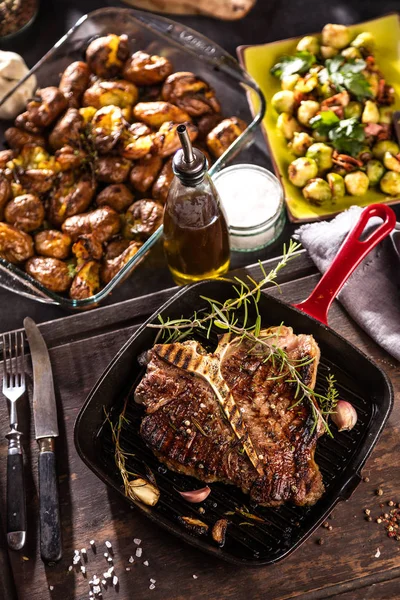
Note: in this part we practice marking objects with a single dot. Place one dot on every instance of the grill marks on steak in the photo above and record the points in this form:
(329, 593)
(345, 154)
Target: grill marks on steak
(187, 428)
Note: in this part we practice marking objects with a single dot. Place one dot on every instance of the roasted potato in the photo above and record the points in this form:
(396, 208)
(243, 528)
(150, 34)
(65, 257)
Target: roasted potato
(15, 246)
(73, 194)
(117, 196)
(22, 122)
(68, 158)
(49, 104)
(112, 169)
(157, 113)
(103, 222)
(161, 186)
(50, 272)
(74, 82)
(25, 212)
(106, 55)
(115, 248)
(67, 131)
(224, 134)
(142, 219)
(86, 282)
(87, 247)
(106, 128)
(151, 93)
(145, 69)
(87, 113)
(17, 138)
(111, 267)
(34, 169)
(116, 93)
(144, 173)
(5, 157)
(206, 123)
(137, 141)
(166, 140)
(53, 243)
(5, 192)
(190, 93)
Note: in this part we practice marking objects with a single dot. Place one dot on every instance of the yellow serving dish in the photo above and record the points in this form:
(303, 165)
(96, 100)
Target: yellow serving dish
(258, 60)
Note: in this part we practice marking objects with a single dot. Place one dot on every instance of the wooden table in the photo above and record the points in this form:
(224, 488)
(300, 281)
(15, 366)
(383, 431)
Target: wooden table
(345, 566)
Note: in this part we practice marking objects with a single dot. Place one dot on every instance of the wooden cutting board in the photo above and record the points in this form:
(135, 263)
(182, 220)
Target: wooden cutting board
(228, 10)
(344, 567)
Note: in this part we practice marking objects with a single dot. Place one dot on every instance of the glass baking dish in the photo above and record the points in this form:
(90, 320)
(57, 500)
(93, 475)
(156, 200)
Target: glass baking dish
(188, 51)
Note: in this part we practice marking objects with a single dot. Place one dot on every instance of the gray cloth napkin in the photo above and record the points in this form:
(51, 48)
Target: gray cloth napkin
(372, 294)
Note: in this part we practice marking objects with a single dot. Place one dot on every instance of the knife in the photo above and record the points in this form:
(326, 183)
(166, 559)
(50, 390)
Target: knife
(46, 430)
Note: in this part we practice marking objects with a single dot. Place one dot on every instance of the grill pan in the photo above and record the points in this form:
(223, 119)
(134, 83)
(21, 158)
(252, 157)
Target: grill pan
(340, 459)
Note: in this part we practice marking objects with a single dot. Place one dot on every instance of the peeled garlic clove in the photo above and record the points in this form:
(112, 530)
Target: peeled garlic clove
(196, 495)
(144, 491)
(345, 416)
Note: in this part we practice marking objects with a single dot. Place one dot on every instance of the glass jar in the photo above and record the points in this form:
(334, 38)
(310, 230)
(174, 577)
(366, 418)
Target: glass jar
(15, 16)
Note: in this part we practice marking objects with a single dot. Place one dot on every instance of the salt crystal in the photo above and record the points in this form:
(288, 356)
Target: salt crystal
(103, 582)
(96, 589)
(127, 568)
(91, 594)
(105, 554)
(151, 586)
(131, 559)
(92, 543)
(137, 541)
(138, 552)
(378, 553)
(76, 560)
(109, 559)
(95, 580)
(152, 580)
(83, 551)
(70, 568)
(83, 569)
(76, 552)
(106, 575)
(108, 544)
(115, 580)
(146, 563)
(194, 576)
(51, 587)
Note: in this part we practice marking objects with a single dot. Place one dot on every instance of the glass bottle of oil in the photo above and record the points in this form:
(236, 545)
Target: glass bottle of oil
(196, 236)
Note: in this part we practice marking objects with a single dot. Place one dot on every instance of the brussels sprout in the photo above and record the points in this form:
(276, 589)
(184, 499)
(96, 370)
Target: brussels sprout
(364, 40)
(370, 113)
(385, 146)
(307, 110)
(375, 171)
(289, 81)
(357, 183)
(353, 109)
(317, 191)
(373, 80)
(302, 170)
(287, 125)
(336, 184)
(391, 162)
(390, 183)
(322, 154)
(351, 53)
(337, 36)
(305, 85)
(318, 136)
(385, 115)
(300, 143)
(328, 52)
(283, 101)
(309, 43)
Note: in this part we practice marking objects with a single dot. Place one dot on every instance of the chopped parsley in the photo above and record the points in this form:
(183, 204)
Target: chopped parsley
(348, 136)
(324, 122)
(347, 75)
(289, 65)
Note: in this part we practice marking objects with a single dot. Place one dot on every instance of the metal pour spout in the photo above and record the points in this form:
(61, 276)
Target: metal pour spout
(185, 143)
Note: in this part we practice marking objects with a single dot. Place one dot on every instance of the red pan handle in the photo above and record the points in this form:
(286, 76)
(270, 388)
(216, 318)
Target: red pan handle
(350, 254)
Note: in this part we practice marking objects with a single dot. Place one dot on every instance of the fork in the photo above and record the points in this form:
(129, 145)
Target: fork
(13, 389)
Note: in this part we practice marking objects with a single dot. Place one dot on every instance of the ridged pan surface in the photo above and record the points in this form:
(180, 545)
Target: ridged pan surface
(279, 530)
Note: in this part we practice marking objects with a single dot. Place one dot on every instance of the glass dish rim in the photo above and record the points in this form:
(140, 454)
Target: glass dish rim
(222, 59)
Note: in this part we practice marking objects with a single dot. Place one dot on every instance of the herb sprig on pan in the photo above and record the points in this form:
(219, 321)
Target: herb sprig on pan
(224, 316)
(347, 75)
(289, 65)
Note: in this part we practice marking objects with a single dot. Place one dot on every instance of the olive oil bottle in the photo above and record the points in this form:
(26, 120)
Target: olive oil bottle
(196, 236)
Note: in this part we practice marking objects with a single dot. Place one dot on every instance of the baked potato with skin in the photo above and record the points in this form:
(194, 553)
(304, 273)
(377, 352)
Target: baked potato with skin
(117, 196)
(145, 69)
(73, 194)
(157, 113)
(161, 186)
(115, 248)
(67, 131)
(112, 169)
(52, 273)
(53, 243)
(106, 55)
(117, 93)
(206, 123)
(25, 212)
(190, 93)
(49, 104)
(22, 122)
(144, 173)
(142, 219)
(87, 247)
(87, 113)
(68, 158)
(166, 140)
(17, 138)
(15, 246)
(103, 222)
(151, 93)
(224, 134)
(137, 141)
(106, 128)
(111, 267)
(5, 192)
(86, 282)
(5, 157)
(74, 82)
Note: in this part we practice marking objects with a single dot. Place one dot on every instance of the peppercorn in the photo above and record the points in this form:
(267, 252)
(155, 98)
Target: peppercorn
(320, 541)
(379, 492)
(366, 479)
(390, 503)
(379, 521)
(326, 525)
(386, 516)
(367, 511)
(330, 528)
(368, 518)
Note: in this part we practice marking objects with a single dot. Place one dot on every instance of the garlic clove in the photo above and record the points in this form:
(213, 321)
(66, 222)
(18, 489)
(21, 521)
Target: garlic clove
(345, 416)
(196, 495)
(144, 491)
